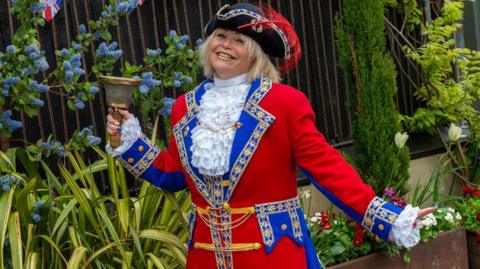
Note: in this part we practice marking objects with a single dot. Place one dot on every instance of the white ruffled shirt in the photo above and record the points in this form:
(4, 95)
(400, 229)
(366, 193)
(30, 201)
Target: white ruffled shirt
(219, 111)
(212, 140)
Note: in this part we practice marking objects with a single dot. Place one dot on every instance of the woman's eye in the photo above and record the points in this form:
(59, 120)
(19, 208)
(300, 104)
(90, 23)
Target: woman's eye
(220, 36)
(240, 41)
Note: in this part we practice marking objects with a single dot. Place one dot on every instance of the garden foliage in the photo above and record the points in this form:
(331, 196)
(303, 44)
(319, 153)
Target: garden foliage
(370, 73)
(55, 216)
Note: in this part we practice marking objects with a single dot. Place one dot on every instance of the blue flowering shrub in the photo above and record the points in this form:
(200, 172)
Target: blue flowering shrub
(52, 212)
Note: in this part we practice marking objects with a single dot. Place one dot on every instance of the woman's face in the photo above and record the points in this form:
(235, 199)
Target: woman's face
(228, 54)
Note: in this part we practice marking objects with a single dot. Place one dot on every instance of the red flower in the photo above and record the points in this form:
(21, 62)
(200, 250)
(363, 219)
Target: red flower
(478, 216)
(358, 241)
(327, 226)
(467, 190)
(476, 192)
(478, 239)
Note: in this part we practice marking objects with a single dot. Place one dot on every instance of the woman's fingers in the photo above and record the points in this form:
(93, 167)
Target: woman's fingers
(125, 114)
(423, 212)
(112, 125)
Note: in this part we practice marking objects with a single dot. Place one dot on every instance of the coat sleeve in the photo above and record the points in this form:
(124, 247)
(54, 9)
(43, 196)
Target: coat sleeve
(332, 175)
(159, 167)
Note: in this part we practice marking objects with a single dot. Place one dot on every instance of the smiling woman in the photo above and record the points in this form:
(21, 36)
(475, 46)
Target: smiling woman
(238, 139)
(256, 62)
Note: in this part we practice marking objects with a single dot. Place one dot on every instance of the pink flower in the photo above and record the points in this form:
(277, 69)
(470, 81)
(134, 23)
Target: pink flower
(389, 191)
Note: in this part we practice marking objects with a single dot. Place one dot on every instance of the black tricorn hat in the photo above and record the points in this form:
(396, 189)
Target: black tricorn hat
(269, 29)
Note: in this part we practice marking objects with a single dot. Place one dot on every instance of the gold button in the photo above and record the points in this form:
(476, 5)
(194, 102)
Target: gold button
(207, 208)
(141, 148)
(226, 206)
(130, 160)
(256, 246)
(283, 227)
(381, 227)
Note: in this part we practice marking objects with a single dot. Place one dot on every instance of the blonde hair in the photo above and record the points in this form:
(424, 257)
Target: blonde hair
(261, 64)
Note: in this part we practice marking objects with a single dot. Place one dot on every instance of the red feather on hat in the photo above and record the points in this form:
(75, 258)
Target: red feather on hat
(281, 22)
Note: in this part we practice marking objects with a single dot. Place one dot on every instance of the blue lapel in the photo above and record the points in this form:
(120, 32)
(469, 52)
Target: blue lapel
(254, 121)
(182, 132)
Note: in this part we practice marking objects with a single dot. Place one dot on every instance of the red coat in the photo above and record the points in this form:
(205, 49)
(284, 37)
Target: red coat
(276, 135)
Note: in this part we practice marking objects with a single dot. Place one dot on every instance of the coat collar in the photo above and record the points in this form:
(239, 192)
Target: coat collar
(253, 122)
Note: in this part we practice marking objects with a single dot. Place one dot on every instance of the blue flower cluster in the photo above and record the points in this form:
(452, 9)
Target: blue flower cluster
(154, 53)
(39, 87)
(93, 90)
(166, 110)
(109, 51)
(11, 49)
(148, 83)
(37, 56)
(38, 7)
(199, 42)
(9, 83)
(87, 133)
(179, 79)
(36, 211)
(178, 42)
(82, 29)
(6, 182)
(36, 102)
(6, 120)
(55, 147)
(72, 66)
(126, 6)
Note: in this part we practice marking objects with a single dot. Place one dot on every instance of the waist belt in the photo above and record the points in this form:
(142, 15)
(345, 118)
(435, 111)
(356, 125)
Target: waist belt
(219, 220)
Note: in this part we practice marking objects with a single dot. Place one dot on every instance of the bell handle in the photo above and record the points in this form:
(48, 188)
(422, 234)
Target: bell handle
(115, 139)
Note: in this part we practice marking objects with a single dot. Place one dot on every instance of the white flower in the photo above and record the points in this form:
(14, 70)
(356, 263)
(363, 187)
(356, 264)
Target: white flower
(400, 139)
(458, 216)
(306, 194)
(449, 217)
(318, 215)
(451, 210)
(305, 216)
(313, 219)
(454, 132)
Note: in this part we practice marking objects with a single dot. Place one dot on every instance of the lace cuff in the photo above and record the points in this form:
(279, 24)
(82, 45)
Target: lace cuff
(403, 232)
(130, 133)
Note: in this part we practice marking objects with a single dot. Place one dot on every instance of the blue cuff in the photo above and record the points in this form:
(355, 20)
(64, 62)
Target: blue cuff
(138, 158)
(380, 216)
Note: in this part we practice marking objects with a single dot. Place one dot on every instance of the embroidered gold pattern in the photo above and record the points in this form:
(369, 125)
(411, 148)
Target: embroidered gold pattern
(264, 210)
(138, 168)
(376, 211)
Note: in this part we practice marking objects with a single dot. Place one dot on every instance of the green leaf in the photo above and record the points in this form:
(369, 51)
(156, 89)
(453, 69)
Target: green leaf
(336, 249)
(54, 246)
(6, 199)
(79, 254)
(162, 236)
(15, 237)
(105, 34)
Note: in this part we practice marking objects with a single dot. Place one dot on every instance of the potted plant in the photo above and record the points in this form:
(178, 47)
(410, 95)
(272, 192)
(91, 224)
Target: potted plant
(470, 210)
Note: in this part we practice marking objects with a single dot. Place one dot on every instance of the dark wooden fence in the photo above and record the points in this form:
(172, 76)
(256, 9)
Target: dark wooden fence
(318, 74)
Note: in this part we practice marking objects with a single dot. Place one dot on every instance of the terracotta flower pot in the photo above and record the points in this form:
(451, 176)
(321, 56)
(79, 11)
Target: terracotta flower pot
(447, 250)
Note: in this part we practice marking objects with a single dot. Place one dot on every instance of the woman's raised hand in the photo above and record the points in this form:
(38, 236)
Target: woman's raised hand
(113, 125)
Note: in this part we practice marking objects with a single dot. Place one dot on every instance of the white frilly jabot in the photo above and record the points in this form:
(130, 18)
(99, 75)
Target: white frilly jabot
(220, 109)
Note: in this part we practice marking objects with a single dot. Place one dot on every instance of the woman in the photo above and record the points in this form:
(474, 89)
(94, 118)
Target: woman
(238, 139)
